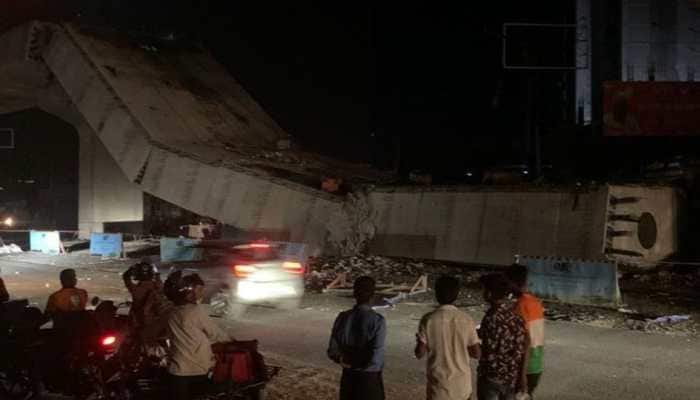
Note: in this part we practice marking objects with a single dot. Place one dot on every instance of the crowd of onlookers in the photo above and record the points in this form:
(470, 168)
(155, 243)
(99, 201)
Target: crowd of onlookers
(508, 344)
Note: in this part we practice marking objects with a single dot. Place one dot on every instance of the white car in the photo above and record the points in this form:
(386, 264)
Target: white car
(253, 274)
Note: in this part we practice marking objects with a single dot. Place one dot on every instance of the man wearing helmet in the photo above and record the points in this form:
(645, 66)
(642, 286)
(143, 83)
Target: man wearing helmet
(191, 333)
(148, 302)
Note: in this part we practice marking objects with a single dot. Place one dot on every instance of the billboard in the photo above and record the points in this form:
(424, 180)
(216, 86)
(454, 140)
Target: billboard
(651, 108)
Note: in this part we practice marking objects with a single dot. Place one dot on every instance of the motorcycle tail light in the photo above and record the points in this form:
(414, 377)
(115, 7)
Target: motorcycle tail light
(108, 341)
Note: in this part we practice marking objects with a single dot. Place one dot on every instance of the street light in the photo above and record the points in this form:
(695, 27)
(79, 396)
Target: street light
(9, 221)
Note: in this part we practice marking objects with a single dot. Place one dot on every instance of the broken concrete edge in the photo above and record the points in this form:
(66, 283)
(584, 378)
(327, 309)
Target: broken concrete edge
(229, 164)
(524, 188)
(136, 172)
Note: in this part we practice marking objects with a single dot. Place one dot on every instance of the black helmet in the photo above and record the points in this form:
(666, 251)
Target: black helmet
(177, 287)
(144, 271)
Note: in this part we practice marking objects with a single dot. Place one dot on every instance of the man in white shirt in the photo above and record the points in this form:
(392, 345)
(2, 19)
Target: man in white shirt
(448, 337)
(191, 333)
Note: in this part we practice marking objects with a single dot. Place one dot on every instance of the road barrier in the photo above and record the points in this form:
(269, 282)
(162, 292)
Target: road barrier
(106, 244)
(47, 242)
(572, 280)
(179, 250)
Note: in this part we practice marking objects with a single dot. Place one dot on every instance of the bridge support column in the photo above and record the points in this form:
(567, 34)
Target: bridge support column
(106, 195)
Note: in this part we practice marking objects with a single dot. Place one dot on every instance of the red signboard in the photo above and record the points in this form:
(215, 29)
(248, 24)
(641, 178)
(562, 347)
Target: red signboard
(651, 108)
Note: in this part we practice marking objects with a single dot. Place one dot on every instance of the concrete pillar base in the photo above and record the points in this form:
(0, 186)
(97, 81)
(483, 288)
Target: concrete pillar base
(106, 195)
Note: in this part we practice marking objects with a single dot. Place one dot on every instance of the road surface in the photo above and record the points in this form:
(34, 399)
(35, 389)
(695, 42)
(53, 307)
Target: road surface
(582, 362)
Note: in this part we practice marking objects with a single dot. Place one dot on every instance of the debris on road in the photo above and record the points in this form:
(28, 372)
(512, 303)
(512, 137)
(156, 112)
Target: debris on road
(403, 292)
(324, 270)
(10, 249)
(670, 319)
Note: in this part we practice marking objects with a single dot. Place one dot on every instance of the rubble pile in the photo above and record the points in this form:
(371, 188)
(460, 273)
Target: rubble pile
(580, 314)
(10, 249)
(278, 157)
(673, 279)
(623, 318)
(678, 324)
(323, 270)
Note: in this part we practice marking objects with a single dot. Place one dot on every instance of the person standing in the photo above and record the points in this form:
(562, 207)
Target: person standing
(504, 344)
(191, 333)
(531, 310)
(357, 344)
(69, 299)
(146, 289)
(448, 337)
(4, 295)
(65, 308)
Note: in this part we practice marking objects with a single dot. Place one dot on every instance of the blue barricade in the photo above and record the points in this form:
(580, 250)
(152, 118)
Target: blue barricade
(573, 281)
(106, 244)
(48, 242)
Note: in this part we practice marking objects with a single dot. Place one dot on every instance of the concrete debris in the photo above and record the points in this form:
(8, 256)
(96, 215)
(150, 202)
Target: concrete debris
(625, 318)
(676, 324)
(281, 157)
(670, 319)
(579, 314)
(385, 270)
(10, 249)
(353, 227)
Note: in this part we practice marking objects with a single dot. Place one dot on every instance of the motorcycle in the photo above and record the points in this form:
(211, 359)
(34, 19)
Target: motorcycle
(240, 373)
(77, 360)
(15, 336)
(103, 360)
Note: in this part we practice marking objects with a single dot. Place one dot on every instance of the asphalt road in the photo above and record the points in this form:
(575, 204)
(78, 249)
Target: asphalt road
(582, 362)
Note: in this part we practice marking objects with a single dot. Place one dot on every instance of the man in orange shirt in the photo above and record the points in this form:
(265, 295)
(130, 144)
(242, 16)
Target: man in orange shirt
(531, 310)
(64, 308)
(69, 298)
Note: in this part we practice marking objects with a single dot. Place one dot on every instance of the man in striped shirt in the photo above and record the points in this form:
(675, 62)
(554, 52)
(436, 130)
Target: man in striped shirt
(530, 308)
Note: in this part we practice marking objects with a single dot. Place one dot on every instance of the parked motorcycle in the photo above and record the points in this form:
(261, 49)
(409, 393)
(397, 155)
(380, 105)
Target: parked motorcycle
(18, 321)
(77, 360)
(240, 373)
(105, 361)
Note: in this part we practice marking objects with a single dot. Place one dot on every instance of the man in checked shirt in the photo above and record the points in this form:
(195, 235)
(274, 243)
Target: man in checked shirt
(504, 344)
